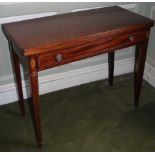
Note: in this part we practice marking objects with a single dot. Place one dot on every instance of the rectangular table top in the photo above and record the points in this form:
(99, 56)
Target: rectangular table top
(34, 33)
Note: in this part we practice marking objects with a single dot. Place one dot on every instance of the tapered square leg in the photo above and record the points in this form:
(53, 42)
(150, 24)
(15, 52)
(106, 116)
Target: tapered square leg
(35, 99)
(140, 57)
(111, 56)
(17, 75)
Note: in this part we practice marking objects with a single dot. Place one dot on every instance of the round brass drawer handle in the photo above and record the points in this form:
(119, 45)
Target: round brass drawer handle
(131, 38)
(59, 57)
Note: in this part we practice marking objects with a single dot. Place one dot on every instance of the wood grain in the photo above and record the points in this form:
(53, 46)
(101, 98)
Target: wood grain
(43, 32)
(35, 99)
(88, 48)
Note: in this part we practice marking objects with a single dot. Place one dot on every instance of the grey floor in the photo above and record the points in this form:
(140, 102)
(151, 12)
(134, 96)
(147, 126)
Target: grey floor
(90, 117)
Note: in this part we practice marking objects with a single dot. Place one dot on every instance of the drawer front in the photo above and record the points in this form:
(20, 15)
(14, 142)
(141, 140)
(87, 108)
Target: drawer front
(88, 49)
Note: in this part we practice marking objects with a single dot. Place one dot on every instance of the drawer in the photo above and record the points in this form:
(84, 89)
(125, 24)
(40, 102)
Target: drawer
(88, 48)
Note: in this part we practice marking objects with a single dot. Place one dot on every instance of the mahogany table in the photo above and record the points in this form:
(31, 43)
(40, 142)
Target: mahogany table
(57, 40)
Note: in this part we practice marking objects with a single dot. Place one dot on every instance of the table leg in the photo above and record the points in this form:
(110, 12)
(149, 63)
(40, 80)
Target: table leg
(35, 99)
(111, 67)
(140, 56)
(16, 68)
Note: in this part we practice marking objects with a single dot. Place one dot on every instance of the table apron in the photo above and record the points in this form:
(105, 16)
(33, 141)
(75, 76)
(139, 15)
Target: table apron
(88, 49)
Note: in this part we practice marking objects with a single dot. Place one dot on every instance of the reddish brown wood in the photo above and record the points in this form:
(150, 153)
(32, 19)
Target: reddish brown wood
(67, 43)
(88, 48)
(52, 41)
(140, 56)
(17, 77)
(35, 98)
(111, 56)
(33, 36)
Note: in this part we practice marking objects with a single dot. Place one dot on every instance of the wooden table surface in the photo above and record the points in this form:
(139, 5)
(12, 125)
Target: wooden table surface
(34, 33)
